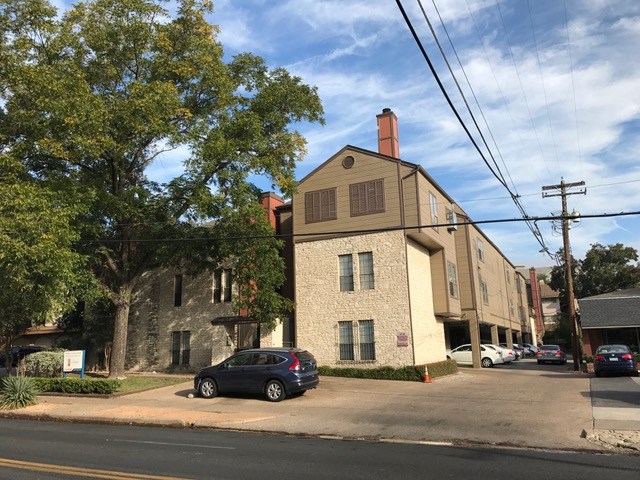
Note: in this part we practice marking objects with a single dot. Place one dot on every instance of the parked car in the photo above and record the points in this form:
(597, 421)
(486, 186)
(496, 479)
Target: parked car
(530, 350)
(18, 353)
(551, 353)
(488, 356)
(508, 355)
(275, 372)
(518, 351)
(614, 359)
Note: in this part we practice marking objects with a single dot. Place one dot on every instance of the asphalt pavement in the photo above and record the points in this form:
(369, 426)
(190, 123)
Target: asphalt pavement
(517, 405)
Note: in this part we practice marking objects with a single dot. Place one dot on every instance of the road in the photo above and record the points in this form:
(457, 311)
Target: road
(43, 450)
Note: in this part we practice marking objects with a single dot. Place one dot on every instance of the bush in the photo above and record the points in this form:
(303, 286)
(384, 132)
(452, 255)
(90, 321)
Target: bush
(588, 358)
(77, 385)
(410, 373)
(18, 392)
(44, 364)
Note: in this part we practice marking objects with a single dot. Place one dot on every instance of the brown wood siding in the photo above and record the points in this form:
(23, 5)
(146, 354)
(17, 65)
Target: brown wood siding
(334, 175)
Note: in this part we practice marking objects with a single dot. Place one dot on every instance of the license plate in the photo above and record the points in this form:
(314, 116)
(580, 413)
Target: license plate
(613, 359)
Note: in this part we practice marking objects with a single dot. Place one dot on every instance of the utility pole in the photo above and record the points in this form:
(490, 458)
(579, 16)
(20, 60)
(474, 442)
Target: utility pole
(562, 187)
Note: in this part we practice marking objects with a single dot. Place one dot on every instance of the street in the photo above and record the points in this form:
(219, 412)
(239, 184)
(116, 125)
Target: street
(46, 450)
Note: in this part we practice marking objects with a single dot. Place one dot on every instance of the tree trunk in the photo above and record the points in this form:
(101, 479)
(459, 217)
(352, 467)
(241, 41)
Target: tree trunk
(119, 347)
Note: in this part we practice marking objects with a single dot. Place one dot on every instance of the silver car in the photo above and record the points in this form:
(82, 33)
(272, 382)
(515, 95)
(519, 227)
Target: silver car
(551, 354)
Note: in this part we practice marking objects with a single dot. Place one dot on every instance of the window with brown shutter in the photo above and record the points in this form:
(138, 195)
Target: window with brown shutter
(367, 197)
(320, 205)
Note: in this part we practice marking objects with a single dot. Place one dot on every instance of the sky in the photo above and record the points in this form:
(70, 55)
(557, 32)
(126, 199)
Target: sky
(557, 82)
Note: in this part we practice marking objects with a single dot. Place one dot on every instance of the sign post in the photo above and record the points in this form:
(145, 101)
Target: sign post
(73, 362)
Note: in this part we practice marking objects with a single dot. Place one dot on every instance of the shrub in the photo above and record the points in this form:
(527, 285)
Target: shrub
(588, 358)
(77, 385)
(44, 364)
(18, 392)
(409, 373)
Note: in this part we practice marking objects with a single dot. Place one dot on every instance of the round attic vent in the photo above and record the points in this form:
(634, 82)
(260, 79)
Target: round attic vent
(348, 161)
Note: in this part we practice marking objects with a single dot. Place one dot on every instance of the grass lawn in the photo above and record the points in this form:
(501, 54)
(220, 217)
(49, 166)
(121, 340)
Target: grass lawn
(136, 383)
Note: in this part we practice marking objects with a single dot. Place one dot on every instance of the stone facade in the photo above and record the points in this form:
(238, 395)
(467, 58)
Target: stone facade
(320, 304)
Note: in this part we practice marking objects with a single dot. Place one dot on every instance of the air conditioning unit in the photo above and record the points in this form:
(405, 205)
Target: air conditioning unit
(453, 219)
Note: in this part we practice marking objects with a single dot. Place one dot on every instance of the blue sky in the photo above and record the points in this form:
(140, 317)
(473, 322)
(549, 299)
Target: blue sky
(562, 99)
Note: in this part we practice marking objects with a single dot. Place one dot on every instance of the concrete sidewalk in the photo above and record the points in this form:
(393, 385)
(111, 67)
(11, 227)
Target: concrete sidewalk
(525, 408)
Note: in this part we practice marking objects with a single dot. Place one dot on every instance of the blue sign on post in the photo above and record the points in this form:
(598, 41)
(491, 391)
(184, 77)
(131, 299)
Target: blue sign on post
(73, 362)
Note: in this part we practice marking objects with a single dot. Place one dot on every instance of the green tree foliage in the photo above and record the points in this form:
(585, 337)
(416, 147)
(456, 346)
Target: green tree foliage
(40, 276)
(604, 269)
(93, 98)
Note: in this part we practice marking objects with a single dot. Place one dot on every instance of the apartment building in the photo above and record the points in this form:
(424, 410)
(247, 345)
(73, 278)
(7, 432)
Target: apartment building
(385, 275)
(184, 322)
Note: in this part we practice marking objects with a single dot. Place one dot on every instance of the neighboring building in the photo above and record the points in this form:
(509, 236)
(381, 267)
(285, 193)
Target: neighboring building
(550, 300)
(184, 322)
(410, 290)
(611, 318)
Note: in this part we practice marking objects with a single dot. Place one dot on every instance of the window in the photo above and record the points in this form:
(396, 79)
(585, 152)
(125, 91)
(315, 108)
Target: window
(485, 291)
(480, 250)
(222, 286)
(345, 339)
(367, 344)
(346, 273)
(507, 275)
(453, 280)
(180, 347)
(517, 280)
(364, 344)
(177, 291)
(226, 276)
(320, 205)
(366, 271)
(433, 202)
(366, 197)
(511, 309)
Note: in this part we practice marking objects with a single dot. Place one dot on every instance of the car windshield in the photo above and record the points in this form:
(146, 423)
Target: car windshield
(550, 347)
(613, 349)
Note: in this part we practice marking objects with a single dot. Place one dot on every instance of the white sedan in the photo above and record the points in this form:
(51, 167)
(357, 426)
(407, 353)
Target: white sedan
(488, 356)
(508, 355)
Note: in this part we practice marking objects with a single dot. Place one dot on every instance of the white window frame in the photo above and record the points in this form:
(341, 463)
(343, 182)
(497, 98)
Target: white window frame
(433, 204)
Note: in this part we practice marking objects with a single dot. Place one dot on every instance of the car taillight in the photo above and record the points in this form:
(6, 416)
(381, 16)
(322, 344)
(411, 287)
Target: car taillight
(627, 356)
(296, 363)
(539, 352)
(599, 358)
(558, 353)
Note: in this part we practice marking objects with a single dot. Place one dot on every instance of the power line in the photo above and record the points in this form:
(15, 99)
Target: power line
(573, 86)
(364, 231)
(444, 92)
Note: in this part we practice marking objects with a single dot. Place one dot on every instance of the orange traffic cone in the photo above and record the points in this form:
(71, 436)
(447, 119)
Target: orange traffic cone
(426, 378)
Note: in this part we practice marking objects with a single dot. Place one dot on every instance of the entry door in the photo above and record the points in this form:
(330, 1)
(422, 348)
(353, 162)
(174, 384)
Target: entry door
(248, 336)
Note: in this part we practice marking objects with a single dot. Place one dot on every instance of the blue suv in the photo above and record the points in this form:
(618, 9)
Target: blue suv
(274, 372)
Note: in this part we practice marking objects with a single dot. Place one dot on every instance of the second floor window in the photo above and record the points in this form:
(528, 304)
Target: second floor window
(320, 205)
(485, 291)
(222, 286)
(346, 272)
(366, 271)
(177, 291)
(453, 279)
(433, 202)
(367, 197)
(480, 250)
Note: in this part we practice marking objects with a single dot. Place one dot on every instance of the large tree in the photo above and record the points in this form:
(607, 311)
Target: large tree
(604, 269)
(40, 275)
(97, 95)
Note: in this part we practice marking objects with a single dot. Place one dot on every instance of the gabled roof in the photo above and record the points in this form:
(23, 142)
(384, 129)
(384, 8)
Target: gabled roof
(614, 309)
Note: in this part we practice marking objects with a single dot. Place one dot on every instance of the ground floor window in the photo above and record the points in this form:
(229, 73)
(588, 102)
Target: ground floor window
(356, 341)
(180, 347)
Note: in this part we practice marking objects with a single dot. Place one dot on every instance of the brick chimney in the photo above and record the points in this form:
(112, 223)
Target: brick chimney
(388, 133)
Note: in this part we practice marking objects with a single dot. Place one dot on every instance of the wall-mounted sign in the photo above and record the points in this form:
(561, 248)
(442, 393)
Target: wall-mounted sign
(73, 361)
(403, 339)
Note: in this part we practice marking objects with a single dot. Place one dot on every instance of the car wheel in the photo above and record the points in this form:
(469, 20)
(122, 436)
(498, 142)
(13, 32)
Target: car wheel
(486, 362)
(208, 388)
(274, 391)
